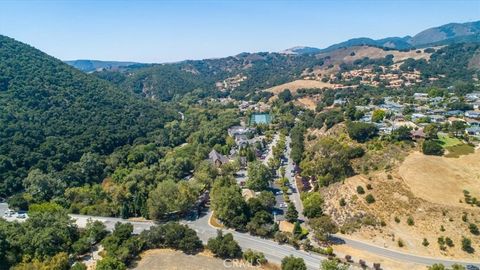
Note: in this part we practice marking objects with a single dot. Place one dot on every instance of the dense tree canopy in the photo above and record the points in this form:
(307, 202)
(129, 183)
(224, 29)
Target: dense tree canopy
(51, 114)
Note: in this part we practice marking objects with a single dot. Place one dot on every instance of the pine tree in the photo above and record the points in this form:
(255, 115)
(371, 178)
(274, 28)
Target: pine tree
(292, 214)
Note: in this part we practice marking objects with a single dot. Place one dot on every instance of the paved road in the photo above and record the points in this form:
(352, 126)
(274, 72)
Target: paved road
(272, 250)
(398, 255)
(295, 196)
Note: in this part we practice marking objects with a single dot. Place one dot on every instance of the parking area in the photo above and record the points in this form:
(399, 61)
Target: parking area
(10, 214)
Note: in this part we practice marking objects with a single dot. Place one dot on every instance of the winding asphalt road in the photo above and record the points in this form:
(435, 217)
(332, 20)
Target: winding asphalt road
(273, 251)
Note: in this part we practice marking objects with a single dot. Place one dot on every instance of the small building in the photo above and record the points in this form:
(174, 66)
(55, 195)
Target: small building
(416, 116)
(437, 118)
(473, 122)
(241, 141)
(473, 131)
(420, 96)
(472, 114)
(417, 134)
(454, 113)
(217, 158)
(238, 130)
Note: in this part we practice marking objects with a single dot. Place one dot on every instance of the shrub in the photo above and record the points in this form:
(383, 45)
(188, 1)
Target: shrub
(431, 147)
(473, 229)
(397, 220)
(109, 263)
(425, 242)
(370, 199)
(449, 242)
(224, 246)
(369, 187)
(293, 263)
(465, 217)
(254, 257)
(360, 190)
(467, 245)
(442, 229)
(410, 221)
(400, 243)
(342, 202)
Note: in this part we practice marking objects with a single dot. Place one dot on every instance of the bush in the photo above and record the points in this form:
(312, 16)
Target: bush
(400, 243)
(431, 147)
(449, 242)
(254, 257)
(342, 202)
(369, 187)
(397, 220)
(473, 229)
(369, 199)
(293, 263)
(410, 221)
(224, 246)
(360, 190)
(425, 242)
(467, 245)
(332, 265)
(109, 263)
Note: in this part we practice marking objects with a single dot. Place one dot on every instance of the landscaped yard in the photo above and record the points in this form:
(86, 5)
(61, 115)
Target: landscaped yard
(454, 146)
(460, 149)
(448, 141)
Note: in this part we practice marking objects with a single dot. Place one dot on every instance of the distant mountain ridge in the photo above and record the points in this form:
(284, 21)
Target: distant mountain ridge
(441, 35)
(96, 65)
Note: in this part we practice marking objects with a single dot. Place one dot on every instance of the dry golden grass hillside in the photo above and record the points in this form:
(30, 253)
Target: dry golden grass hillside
(425, 189)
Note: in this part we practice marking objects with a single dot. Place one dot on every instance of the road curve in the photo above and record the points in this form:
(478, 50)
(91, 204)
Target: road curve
(273, 251)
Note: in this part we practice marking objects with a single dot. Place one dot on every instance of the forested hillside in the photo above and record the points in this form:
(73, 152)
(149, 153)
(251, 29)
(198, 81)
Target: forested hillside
(52, 114)
(165, 81)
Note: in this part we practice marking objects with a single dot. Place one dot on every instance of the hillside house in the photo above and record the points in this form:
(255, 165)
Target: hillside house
(416, 116)
(473, 131)
(472, 114)
(454, 113)
(418, 134)
(437, 118)
(217, 158)
(420, 96)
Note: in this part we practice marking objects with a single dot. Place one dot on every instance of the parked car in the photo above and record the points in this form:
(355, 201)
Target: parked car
(9, 213)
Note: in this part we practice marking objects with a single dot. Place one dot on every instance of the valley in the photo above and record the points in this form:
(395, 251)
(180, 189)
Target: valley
(360, 155)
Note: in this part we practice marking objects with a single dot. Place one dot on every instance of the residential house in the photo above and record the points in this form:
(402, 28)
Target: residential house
(473, 131)
(217, 158)
(472, 96)
(416, 116)
(238, 130)
(472, 114)
(420, 96)
(241, 141)
(454, 113)
(437, 118)
(417, 134)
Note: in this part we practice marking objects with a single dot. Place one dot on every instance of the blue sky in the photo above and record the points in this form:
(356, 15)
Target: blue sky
(164, 31)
